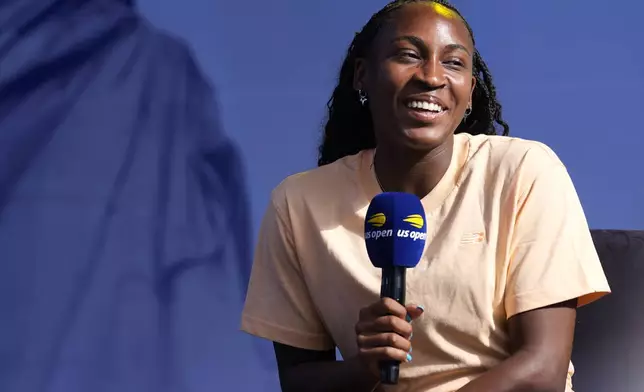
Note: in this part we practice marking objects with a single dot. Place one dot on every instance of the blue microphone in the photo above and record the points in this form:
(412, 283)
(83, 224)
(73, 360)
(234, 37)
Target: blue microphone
(395, 234)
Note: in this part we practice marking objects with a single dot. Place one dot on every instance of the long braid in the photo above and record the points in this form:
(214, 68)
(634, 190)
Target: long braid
(349, 127)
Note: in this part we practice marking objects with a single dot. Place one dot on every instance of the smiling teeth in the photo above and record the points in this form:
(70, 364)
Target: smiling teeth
(432, 107)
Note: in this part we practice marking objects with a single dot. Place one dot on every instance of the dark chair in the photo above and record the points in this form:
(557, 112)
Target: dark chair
(609, 341)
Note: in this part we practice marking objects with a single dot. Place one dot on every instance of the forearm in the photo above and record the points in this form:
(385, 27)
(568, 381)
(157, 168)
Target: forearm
(522, 372)
(340, 376)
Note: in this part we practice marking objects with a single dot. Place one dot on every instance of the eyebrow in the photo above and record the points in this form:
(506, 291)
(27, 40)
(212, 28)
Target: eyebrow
(419, 42)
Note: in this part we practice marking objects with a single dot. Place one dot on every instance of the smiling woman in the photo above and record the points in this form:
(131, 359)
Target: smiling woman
(349, 127)
(509, 255)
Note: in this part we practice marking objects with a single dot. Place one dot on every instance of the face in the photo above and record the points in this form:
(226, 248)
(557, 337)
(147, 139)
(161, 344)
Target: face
(418, 76)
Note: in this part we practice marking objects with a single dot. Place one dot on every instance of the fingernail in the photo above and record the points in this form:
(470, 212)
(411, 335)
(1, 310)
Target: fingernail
(410, 349)
(411, 336)
(408, 357)
(408, 318)
(421, 308)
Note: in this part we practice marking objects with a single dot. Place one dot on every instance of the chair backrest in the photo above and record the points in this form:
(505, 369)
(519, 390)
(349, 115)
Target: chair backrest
(609, 340)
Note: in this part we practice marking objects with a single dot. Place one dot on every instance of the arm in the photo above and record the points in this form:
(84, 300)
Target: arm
(552, 269)
(279, 308)
(309, 371)
(383, 331)
(542, 345)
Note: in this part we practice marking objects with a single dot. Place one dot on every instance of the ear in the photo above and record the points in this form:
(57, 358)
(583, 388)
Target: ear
(472, 89)
(359, 74)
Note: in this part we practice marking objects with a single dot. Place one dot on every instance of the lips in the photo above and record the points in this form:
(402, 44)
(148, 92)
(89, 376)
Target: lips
(425, 103)
(425, 106)
(424, 109)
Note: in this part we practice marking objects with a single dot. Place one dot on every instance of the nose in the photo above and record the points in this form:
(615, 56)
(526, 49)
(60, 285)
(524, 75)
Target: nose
(432, 73)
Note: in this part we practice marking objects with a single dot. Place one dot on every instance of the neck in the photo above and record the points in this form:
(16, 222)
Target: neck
(416, 172)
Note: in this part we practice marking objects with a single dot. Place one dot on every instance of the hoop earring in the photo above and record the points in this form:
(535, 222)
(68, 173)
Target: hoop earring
(468, 111)
(362, 96)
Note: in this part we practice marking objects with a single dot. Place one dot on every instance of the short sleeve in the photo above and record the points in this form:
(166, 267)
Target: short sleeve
(278, 304)
(552, 256)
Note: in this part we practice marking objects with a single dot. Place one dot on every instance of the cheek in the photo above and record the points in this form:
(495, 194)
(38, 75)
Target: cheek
(390, 73)
(390, 80)
(462, 87)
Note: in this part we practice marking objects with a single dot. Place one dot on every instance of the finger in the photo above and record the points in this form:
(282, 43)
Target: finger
(387, 306)
(388, 339)
(385, 354)
(387, 323)
(382, 307)
(414, 312)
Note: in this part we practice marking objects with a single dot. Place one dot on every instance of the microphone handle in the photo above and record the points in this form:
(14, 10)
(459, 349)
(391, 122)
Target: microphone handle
(393, 286)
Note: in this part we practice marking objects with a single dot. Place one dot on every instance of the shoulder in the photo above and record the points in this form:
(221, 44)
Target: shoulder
(322, 185)
(511, 156)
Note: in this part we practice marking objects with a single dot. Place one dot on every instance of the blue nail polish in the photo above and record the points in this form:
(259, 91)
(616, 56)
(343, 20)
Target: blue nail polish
(421, 308)
(410, 349)
(408, 318)
(408, 357)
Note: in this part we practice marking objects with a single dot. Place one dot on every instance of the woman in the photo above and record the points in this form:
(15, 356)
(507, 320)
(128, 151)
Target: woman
(509, 255)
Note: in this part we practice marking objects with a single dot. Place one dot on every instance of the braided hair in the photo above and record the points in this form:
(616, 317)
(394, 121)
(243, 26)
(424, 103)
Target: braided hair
(349, 126)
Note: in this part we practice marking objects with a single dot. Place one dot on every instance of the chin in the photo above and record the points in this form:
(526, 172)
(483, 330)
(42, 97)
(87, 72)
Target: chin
(427, 138)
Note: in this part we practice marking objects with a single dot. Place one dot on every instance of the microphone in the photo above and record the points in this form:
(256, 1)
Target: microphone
(395, 234)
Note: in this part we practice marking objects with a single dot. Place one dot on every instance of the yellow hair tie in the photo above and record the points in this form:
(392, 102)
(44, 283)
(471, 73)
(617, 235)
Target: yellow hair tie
(443, 11)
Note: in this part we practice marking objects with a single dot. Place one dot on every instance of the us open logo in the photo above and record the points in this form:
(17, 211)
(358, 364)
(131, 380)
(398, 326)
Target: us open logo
(379, 219)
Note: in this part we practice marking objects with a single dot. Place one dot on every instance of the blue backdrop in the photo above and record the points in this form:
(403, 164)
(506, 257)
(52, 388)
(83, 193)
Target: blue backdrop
(568, 73)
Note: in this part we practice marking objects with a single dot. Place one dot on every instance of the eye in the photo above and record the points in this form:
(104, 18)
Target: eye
(407, 55)
(456, 62)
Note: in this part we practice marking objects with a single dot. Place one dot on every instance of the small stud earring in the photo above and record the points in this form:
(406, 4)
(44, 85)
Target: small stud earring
(363, 97)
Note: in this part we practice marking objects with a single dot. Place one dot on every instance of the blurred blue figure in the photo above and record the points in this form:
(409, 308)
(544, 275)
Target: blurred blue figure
(123, 213)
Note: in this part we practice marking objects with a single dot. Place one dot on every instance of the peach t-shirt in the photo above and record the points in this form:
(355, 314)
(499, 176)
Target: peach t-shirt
(506, 234)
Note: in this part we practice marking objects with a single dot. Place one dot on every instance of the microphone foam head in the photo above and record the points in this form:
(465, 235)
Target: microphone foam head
(395, 230)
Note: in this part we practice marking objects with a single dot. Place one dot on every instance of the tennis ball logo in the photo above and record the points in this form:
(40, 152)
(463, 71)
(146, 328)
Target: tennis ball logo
(377, 220)
(415, 220)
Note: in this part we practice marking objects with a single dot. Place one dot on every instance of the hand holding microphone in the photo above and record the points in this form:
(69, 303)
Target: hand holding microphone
(384, 333)
(395, 235)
